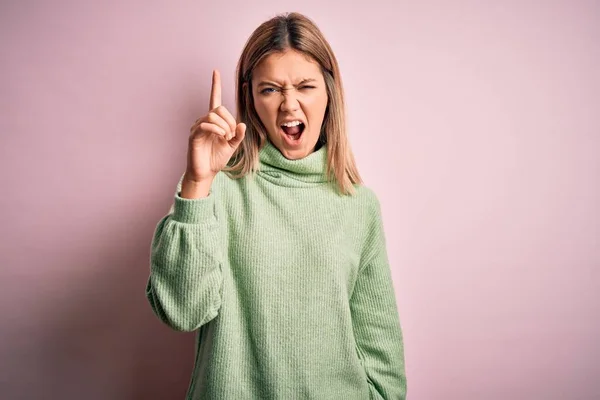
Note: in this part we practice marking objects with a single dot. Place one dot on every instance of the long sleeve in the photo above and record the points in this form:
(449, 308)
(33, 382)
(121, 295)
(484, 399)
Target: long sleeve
(376, 321)
(185, 284)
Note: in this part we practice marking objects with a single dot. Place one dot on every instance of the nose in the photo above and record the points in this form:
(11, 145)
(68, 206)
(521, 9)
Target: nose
(289, 102)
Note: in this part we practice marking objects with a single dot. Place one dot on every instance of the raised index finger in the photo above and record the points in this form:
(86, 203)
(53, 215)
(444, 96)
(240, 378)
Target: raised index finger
(215, 92)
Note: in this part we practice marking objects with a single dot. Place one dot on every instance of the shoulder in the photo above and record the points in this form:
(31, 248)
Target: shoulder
(371, 222)
(368, 212)
(368, 200)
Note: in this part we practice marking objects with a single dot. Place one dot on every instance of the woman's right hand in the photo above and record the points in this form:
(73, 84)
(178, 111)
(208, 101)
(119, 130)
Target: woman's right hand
(213, 140)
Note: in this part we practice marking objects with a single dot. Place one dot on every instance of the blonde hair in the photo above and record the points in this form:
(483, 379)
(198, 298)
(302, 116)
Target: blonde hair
(297, 32)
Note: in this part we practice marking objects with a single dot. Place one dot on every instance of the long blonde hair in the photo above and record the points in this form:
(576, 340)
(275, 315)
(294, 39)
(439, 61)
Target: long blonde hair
(293, 31)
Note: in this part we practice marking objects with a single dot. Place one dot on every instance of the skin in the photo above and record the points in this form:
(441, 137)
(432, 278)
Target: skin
(290, 85)
(213, 139)
(286, 86)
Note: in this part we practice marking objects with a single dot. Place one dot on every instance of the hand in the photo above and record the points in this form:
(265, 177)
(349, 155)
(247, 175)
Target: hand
(213, 139)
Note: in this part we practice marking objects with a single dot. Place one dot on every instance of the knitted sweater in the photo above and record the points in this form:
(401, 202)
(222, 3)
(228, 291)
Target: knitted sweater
(287, 284)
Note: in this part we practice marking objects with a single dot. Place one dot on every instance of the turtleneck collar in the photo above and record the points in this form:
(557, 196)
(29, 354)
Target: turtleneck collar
(306, 171)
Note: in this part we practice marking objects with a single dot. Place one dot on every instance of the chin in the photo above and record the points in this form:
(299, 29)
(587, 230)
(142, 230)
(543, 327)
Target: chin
(293, 155)
(296, 153)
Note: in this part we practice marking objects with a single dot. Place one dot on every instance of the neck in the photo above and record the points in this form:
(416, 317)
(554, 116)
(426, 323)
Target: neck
(309, 170)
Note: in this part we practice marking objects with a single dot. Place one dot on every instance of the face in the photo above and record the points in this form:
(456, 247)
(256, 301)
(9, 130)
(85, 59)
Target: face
(290, 98)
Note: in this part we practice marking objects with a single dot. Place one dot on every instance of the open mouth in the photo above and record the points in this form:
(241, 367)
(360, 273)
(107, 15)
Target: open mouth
(293, 130)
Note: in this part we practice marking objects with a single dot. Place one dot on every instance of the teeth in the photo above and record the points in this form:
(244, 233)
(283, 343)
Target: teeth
(293, 123)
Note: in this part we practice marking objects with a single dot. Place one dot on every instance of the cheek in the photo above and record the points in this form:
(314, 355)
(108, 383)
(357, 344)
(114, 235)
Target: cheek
(265, 109)
(263, 112)
(316, 106)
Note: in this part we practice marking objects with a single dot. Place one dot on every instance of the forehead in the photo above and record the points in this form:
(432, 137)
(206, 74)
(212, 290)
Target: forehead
(289, 66)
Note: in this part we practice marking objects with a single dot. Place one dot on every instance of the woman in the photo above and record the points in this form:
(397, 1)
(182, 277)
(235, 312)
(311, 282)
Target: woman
(273, 250)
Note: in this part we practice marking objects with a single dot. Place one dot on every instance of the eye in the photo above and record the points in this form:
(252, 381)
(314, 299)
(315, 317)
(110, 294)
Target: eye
(307, 87)
(266, 91)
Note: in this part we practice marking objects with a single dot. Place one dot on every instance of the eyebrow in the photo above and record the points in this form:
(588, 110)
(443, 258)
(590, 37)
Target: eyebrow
(270, 83)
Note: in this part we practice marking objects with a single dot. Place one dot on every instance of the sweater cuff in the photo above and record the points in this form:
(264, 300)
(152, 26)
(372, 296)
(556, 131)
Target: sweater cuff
(194, 211)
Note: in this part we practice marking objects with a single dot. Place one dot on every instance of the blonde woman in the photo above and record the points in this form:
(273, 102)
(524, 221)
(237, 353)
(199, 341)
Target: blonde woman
(274, 250)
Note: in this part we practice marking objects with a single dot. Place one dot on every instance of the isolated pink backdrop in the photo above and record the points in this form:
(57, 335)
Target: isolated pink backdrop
(475, 122)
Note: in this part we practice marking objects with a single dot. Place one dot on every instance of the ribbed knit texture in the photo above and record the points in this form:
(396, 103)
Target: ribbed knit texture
(287, 284)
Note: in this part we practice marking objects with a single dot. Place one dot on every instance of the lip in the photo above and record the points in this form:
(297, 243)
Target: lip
(289, 141)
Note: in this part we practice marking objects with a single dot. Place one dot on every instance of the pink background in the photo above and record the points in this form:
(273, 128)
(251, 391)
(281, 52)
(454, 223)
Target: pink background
(475, 122)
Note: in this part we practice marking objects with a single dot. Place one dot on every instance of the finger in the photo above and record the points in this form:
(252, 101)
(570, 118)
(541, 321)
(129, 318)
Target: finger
(216, 119)
(240, 133)
(196, 124)
(215, 92)
(226, 115)
(212, 128)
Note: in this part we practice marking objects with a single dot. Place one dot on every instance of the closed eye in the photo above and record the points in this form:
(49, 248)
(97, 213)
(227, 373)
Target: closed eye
(272, 90)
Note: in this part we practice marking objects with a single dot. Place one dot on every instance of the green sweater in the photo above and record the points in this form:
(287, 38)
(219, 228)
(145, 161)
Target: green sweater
(287, 284)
